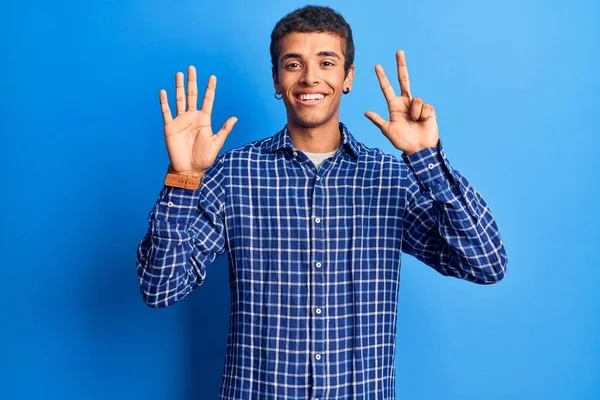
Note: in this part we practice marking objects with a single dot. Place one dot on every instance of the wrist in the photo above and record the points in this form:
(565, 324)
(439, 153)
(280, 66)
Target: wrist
(183, 179)
(418, 148)
(194, 173)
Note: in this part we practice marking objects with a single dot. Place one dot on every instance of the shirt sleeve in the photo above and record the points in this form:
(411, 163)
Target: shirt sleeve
(447, 223)
(185, 233)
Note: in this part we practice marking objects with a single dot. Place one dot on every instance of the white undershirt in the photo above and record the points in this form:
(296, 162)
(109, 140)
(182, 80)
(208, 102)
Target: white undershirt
(318, 158)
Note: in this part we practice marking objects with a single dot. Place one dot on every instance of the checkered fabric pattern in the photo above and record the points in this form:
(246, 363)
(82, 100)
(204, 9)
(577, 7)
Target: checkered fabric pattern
(314, 258)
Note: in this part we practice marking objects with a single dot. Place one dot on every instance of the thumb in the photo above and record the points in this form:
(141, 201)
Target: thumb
(226, 129)
(377, 120)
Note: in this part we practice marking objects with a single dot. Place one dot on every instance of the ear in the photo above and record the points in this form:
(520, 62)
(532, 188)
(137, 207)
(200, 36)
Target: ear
(275, 80)
(349, 78)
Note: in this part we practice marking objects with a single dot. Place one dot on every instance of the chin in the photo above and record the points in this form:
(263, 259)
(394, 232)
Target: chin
(311, 121)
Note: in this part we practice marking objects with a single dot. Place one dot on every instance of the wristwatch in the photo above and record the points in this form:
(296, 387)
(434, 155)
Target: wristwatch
(182, 181)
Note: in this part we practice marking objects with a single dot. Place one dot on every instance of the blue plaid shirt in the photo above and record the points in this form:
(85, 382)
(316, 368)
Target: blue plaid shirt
(314, 258)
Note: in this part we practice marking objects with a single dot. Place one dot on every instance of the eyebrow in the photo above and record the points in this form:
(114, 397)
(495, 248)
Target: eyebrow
(319, 54)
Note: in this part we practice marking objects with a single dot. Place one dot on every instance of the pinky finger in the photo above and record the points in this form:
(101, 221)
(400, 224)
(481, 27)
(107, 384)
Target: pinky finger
(164, 106)
(426, 112)
(430, 111)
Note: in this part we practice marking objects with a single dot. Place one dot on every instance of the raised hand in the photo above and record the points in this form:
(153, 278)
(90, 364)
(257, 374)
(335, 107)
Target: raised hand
(191, 144)
(413, 124)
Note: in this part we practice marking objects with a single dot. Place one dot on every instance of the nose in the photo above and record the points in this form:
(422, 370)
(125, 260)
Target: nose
(310, 75)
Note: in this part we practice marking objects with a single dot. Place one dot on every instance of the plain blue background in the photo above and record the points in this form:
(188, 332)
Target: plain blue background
(516, 88)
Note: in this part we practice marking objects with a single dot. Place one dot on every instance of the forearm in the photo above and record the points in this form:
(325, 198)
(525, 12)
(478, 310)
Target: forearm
(451, 227)
(170, 260)
(473, 246)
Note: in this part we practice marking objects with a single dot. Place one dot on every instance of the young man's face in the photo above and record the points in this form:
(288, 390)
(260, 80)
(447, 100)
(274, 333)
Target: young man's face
(311, 77)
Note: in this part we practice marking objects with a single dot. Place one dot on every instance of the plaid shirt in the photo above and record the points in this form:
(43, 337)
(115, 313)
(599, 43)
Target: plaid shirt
(314, 258)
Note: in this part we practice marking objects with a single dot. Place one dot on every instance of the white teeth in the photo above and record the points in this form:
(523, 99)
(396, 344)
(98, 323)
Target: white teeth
(315, 96)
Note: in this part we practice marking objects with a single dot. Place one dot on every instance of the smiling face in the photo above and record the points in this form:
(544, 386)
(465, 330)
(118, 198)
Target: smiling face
(311, 78)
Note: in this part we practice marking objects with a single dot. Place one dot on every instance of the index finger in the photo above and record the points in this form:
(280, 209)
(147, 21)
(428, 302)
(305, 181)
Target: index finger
(209, 95)
(384, 82)
(403, 74)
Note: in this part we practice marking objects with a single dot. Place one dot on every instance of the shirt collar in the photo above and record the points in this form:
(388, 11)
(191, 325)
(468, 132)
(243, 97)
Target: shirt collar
(282, 140)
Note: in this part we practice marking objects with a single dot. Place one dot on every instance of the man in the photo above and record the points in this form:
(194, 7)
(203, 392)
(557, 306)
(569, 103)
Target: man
(313, 222)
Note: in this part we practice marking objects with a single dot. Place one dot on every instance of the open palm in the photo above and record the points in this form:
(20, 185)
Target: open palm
(191, 143)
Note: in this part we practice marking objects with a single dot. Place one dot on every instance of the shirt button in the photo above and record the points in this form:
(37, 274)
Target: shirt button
(318, 177)
(295, 154)
(317, 220)
(318, 265)
(318, 356)
(170, 204)
(431, 166)
(318, 311)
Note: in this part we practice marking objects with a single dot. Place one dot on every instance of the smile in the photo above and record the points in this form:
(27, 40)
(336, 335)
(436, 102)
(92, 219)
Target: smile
(309, 98)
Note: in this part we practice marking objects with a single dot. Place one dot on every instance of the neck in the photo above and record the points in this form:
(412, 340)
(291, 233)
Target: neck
(319, 139)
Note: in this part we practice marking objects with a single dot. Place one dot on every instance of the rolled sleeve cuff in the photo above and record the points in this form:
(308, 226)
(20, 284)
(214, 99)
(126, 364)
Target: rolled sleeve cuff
(176, 205)
(430, 165)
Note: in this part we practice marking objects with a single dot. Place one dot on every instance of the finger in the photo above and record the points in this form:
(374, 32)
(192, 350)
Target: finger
(386, 86)
(377, 120)
(403, 74)
(192, 96)
(179, 93)
(164, 107)
(425, 112)
(415, 108)
(209, 95)
(226, 129)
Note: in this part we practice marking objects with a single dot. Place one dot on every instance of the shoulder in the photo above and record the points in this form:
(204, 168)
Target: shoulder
(374, 157)
(250, 150)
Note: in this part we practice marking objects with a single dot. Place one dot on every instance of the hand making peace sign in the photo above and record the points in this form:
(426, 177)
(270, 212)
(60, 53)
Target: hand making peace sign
(413, 124)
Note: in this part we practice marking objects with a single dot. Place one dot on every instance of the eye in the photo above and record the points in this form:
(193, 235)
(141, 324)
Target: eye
(327, 64)
(292, 65)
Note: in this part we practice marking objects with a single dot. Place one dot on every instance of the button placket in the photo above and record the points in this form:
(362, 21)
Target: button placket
(319, 237)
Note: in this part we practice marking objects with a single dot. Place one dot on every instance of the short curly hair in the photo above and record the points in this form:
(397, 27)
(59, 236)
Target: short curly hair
(313, 19)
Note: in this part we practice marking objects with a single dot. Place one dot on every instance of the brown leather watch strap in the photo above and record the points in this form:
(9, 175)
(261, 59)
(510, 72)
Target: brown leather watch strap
(182, 181)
